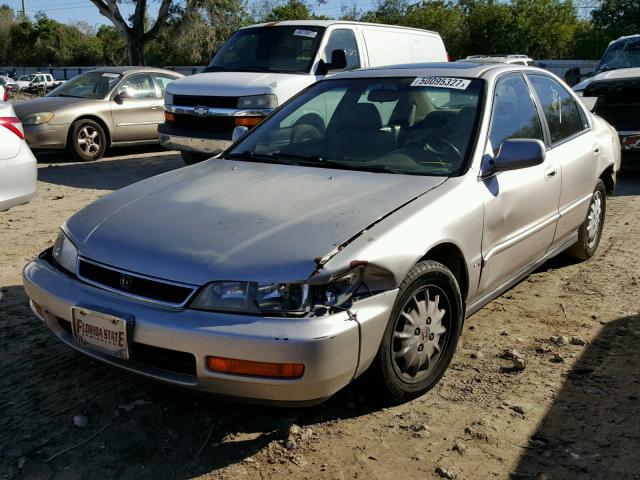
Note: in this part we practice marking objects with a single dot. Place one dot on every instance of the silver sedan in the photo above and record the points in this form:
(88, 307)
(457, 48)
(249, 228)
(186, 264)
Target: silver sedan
(106, 107)
(353, 230)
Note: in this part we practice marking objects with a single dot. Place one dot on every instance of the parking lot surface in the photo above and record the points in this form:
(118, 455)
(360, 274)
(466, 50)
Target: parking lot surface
(573, 412)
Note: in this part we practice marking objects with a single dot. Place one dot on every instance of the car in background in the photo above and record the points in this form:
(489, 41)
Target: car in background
(7, 81)
(18, 167)
(4, 93)
(262, 66)
(613, 92)
(24, 81)
(102, 108)
(306, 255)
(513, 59)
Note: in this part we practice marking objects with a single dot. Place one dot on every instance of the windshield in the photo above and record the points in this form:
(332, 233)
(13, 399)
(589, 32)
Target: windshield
(88, 85)
(622, 54)
(26, 78)
(417, 126)
(269, 49)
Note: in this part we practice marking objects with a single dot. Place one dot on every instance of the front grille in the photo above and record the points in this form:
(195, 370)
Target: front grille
(131, 284)
(198, 101)
(618, 102)
(162, 358)
(207, 124)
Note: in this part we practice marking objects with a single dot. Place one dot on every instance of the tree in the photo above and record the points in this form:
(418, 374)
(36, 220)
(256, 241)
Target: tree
(292, 10)
(617, 17)
(136, 35)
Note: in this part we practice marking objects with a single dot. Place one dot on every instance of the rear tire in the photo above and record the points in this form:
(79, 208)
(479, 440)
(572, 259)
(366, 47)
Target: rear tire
(591, 229)
(191, 158)
(87, 140)
(421, 336)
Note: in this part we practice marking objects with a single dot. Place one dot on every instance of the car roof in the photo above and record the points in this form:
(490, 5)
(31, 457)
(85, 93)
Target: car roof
(468, 69)
(328, 23)
(127, 69)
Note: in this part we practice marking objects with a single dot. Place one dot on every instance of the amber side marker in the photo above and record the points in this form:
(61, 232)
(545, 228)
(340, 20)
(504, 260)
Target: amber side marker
(255, 369)
(169, 117)
(248, 121)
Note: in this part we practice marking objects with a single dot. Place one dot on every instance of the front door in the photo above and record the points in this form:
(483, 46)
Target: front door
(137, 114)
(521, 206)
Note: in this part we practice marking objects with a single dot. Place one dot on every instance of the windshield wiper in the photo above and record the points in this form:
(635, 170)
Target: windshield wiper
(258, 157)
(215, 68)
(315, 160)
(66, 95)
(253, 68)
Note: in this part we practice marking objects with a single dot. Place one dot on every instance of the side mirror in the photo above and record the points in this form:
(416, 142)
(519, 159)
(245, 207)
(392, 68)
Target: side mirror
(338, 62)
(517, 153)
(119, 98)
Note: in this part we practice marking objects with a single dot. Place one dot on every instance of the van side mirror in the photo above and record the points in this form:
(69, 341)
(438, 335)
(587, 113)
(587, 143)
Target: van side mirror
(338, 62)
(517, 153)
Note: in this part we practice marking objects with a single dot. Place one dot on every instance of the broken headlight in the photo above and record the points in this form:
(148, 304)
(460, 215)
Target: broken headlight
(289, 299)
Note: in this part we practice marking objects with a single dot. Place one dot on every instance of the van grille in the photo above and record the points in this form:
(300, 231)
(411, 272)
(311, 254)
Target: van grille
(208, 124)
(132, 284)
(618, 102)
(198, 101)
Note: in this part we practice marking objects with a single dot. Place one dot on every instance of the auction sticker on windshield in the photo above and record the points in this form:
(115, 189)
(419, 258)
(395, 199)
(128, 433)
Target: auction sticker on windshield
(441, 82)
(305, 33)
(100, 331)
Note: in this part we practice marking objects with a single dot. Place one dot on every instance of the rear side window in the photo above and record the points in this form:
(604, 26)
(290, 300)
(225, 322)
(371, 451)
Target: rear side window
(560, 109)
(343, 39)
(514, 113)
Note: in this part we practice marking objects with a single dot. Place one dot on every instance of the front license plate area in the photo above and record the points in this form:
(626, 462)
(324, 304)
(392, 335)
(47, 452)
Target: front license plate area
(101, 331)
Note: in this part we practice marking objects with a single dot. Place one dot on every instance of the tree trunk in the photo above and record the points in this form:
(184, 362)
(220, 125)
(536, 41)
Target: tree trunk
(135, 52)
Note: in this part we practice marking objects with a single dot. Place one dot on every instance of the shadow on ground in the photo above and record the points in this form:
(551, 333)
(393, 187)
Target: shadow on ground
(179, 434)
(629, 176)
(108, 174)
(592, 430)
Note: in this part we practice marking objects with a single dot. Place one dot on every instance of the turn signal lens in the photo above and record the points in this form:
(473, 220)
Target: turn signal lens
(255, 369)
(248, 121)
(169, 117)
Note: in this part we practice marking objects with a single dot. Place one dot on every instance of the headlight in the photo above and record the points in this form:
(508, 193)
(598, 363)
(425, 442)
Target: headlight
(37, 118)
(168, 98)
(65, 253)
(258, 101)
(293, 299)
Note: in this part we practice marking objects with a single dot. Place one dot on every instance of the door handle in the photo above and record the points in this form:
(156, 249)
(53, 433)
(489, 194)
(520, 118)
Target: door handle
(154, 107)
(550, 173)
(596, 150)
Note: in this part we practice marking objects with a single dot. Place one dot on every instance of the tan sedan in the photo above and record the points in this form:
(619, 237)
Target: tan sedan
(106, 107)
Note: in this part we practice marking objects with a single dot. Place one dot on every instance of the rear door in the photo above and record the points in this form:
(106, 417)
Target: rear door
(573, 147)
(136, 116)
(521, 210)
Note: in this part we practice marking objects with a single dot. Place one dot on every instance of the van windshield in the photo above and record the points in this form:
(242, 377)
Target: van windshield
(622, 54)
(289, 49)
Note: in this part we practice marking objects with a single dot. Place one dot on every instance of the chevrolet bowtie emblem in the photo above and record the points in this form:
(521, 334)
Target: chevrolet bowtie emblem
(201, 111)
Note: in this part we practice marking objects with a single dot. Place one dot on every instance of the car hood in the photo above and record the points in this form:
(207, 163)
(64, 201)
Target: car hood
(228, 220)
(235, 84)
(619, 74)
(48, 104)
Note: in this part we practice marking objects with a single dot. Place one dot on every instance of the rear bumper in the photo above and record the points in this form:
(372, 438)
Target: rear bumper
(46, 137)
(174, 139)
(18, 178)
(333, 348)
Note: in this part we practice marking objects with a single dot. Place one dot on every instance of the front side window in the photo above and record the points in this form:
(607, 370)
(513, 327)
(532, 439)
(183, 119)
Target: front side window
(388, 125)
(560, 109)
(88, 85)
(289, 49)
(343, 39)
(514, 113)
(138, 86)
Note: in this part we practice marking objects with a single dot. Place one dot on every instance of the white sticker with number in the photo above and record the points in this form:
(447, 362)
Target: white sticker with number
(110, 75)
(441, 82)
(299, 32)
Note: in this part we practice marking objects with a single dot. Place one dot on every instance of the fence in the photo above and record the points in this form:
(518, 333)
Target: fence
(559, 67)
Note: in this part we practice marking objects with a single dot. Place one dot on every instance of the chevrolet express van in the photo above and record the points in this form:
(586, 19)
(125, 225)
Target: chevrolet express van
(262, 66)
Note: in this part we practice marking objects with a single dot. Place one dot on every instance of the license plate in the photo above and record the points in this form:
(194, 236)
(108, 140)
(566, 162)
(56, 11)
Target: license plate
(101, 331)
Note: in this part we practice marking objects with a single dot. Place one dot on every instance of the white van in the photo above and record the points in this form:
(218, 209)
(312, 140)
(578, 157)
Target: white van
(262, 66)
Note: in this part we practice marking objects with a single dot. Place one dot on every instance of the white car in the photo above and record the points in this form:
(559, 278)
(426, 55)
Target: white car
(18, 167)
(24, 81)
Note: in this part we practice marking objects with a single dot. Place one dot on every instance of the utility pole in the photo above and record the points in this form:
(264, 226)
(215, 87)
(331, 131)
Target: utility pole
(24, 13)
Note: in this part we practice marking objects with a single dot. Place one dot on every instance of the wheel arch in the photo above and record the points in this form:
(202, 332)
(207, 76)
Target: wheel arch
(450, 255)
(608, 177)
(96, 119)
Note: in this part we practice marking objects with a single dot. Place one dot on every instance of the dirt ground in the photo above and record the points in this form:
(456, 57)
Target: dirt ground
(573, 412)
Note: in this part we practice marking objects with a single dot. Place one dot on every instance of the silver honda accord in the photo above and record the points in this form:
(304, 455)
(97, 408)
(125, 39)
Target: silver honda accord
(352, 231)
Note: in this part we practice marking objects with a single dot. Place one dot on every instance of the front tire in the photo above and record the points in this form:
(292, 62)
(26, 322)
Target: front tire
(590, 231)
(422, 333)
(191, 158)
(87, 140)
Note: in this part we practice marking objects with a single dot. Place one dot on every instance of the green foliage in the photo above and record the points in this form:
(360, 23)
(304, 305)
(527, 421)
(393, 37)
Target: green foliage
(617, 17)
(292, 10)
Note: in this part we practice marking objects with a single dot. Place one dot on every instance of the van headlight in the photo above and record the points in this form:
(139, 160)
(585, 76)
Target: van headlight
(289, 299)
(65, 253)
(37, 118)
(258, 101)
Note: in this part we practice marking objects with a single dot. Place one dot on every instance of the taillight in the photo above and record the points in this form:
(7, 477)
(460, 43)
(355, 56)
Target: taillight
(14, 124)
(5, 97)
(448, 56)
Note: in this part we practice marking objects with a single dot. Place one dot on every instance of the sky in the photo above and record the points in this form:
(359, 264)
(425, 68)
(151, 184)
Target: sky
(69, 11)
